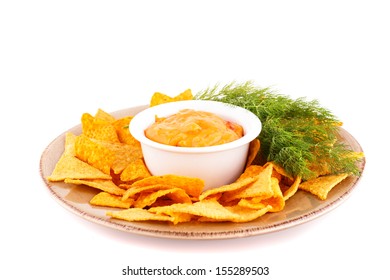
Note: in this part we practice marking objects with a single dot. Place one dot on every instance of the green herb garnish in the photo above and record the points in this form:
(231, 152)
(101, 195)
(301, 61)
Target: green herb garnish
(299, 135)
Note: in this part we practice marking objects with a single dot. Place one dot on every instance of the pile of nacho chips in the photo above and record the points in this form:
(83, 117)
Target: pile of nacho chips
(106, 157)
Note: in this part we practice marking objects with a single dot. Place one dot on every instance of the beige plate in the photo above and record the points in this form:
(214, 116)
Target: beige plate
(302, 207)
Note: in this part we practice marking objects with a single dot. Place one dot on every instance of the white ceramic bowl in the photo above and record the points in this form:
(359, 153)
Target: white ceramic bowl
(216, 165)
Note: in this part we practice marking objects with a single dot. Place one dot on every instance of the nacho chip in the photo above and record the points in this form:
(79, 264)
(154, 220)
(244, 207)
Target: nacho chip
(70, 140)
(123, 131)
(136, 170)
(103, 185)
(99, 129)
(109, 200)
(139, 214)
(261, 187)
(207, 208)
(71, 167)
(212, 211)
(192, 186)
(321, 186)
(94, 153)
(247, 215)
(254, 148)
(160, 98)
(123, 154)
(105, 155)
(132, 192)
(251, 171)
(103, 115)
(176, 195)
(237, 185)
(292, 189)
(275, 200)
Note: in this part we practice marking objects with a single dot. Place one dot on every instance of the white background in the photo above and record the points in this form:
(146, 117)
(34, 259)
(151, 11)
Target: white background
(59, 59)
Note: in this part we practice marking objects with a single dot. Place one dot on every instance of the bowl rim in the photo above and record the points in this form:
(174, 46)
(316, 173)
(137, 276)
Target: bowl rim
(138, 125)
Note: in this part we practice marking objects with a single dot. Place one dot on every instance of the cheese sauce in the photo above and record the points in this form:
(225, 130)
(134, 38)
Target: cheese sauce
(190, 128)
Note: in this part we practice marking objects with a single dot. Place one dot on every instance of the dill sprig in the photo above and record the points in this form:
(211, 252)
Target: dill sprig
(298, 134)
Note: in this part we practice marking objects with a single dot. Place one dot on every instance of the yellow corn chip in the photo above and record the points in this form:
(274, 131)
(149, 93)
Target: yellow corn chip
(177, 195)
(136, 170)
(251, 171)
(160, 98)
(99, 129)
(71, 167)
(192, 186)
(109, 200)
(102, 115)
(277, 200)
(139, 214)
(244, 215)
(254, 148)
(321, 186)
(94, 153)
(131, 192)
(292, 189)
(70, 140)
(123, 131)
(123, 154)
(261, 187)
(228, 188)
(206, 208)
(104, 185)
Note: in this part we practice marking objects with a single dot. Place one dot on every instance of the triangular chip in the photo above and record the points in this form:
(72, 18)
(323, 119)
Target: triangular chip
(99, 129)
(192, 186)
(123, 131)
(139, 214)
(160, 98)
(176, 195)
(254, 148)
(104, 185)
(261, 187)
(321, 186)
(228, 188)
(109, 200)
(94, 153)
(292, 189)
(71, 167)
(136, 170)
(103, 115)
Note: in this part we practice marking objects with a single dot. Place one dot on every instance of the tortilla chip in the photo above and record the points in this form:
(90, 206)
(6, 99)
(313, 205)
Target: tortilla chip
(123, 154)
(139, 214)
(254, 148)
(207, 208)
(321, 186)
(70, 140)
(261, 187)
(71, 167)
(160, 98)
(247, 215)
(292, 189)
(99, 129)
(109, 200)
(132, 192)
(104, 185)
(192, 186)
(103, 115)
(123, 131)
(176, 195)
(136, 170)
(228, 188)
(94, 153)
(251, 171)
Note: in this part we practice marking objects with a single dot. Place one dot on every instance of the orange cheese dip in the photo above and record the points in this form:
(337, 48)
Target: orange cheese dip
(190, 128)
